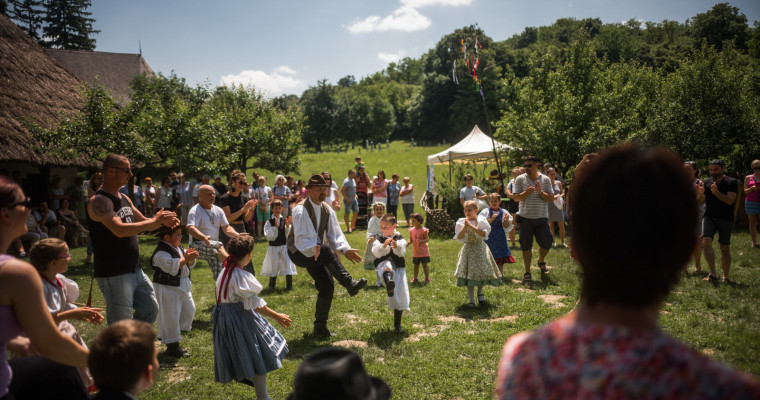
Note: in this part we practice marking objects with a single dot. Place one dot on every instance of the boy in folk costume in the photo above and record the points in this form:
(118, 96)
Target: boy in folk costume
(171, 282)
(389, 249)
(276, 261)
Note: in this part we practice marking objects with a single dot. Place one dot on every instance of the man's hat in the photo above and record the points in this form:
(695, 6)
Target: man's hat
(315, 181)
(336, 374)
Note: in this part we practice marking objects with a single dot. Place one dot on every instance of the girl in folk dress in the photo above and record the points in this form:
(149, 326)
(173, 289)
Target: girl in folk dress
(475, 264)
(418, 239)
(276, 261)
(246, 346)
(501, 222)
(51, 259)
(373, 228)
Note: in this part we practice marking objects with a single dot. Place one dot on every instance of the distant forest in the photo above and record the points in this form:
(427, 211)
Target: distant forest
(559, 91)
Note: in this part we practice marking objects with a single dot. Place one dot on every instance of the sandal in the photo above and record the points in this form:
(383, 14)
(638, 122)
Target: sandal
(527, 277)
(542, 267)
(710, 278)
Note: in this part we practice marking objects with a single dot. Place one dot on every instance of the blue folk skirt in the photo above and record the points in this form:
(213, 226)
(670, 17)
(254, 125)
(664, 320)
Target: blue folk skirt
(245, 343)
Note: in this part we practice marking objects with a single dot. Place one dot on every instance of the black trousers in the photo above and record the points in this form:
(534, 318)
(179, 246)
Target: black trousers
(323, 280)
(40, 378)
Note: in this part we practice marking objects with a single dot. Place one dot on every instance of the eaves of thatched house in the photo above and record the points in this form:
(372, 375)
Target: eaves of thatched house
(33, 87)
(113, 71)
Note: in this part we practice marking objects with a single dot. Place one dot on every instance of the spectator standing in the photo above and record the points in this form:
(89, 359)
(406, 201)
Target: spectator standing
(281, 192)
(380, 188)
(57, 192)
(237, 207)
(407, 200)
(719, 196)
(363, 182)
(333, 200)
(556, 213)
(150, 197)
(263, 195)
(513, 205)
(350, 202)
(185, 197)
(137, 191)
(470, 192)
(205, 179)
(394, 188)
(165, 194)
(220, 187)
(752, 201)
(75, 194)
(690, 167)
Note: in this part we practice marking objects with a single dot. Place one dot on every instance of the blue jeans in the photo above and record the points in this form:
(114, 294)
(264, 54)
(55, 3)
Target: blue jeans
(127, 291)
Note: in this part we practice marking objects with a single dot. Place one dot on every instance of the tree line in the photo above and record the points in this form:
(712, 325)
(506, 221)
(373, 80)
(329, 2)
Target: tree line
(563, 90)
(60, 24)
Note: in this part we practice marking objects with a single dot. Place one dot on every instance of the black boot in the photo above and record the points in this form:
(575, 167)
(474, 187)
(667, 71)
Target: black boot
(344, 278)
(273, 282)
(389, 284)
(397, 321)
(320, 317)
(173, 350)
(289, 282)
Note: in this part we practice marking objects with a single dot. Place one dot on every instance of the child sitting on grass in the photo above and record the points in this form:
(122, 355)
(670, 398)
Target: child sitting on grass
(418, 239)
(389, 249)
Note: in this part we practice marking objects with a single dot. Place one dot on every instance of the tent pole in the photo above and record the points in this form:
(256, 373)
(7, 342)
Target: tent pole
(493, 143)
(450, 168)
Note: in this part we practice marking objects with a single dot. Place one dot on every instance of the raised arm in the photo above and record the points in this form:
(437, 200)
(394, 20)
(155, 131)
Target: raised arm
(101, 210)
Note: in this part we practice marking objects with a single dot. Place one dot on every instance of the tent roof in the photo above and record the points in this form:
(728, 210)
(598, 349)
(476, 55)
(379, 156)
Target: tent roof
(476, 145)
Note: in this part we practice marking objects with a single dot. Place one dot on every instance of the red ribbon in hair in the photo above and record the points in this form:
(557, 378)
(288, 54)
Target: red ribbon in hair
(230, 263)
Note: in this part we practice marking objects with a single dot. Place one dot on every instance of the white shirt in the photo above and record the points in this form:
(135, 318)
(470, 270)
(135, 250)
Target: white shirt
(379, 251)
(305, 236)
(169, 264)
(483, 225)
(207, 221)
(332, 196)
(242, 287)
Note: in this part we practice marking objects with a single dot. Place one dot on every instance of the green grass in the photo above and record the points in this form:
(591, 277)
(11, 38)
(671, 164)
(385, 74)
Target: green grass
(449, 351)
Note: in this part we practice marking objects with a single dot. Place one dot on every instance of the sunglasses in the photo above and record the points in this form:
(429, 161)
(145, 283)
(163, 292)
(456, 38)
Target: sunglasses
(125, 170)
(27, 203)
(527, 165)
(755, 168)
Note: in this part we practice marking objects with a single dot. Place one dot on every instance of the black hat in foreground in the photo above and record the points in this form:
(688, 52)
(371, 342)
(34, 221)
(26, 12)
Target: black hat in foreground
(336, 374)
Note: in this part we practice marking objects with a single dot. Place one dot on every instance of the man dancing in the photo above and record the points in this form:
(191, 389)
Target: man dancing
(312, 243)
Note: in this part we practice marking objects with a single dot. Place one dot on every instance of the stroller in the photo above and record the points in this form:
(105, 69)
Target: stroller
(363, 219)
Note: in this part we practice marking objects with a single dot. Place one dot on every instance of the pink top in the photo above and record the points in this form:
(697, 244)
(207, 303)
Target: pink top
(570, 360)
(9, 329)
(753, 197)
(418, 249)
(377, 184)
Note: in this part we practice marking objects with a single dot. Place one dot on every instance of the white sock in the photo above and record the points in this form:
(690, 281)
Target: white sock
(260, 384)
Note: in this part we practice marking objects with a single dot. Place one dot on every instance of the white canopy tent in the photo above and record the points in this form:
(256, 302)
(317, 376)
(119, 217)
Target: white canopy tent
(475, 146)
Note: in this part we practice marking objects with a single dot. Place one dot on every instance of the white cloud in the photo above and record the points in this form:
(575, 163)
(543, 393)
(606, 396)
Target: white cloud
(391, 57)
(424, 3)
(282, 80)
(403, 19)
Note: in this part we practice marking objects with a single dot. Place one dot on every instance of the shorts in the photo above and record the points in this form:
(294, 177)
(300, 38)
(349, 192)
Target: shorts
(535, 227)
(752, 207)
(262, 216)
(354, 206)
(417, 260)
(710, 225)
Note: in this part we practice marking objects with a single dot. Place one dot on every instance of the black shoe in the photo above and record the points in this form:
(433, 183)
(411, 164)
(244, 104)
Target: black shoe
(288, 282)
(356, 286)
(397, 321)
(323, 332)
(344, 278)
(272, 282)
(173, 350)
(389, 284)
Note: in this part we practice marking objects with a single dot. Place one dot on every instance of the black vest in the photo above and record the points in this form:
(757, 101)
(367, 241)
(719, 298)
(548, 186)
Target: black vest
(398, 262)
(114, 255)
(281, 239)
(320, 229)
(160, 276)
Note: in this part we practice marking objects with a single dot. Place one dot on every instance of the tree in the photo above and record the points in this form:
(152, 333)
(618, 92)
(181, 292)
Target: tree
(318, 105)
(28, 15)
(721, 23)
(68, 25)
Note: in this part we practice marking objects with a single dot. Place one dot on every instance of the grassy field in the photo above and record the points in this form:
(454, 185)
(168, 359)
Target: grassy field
(449, 351)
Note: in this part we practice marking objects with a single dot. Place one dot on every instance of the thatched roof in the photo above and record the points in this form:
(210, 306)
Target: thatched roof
(32, 87)
(114, 71)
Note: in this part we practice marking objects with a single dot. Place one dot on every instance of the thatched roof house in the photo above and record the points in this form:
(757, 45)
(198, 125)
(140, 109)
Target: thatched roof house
(113, 71)
(33, 87)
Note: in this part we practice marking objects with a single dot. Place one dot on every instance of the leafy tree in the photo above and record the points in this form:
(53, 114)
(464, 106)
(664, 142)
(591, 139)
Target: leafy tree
(28, 15)
(68, 25)
(318, 105)
(721, 23)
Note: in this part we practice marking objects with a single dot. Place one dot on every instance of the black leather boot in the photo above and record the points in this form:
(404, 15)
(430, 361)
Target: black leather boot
(321, 314)
(173, 350)
(289, 282)
(273, 282)
(389, 284)
(397, 321)
(344, 278)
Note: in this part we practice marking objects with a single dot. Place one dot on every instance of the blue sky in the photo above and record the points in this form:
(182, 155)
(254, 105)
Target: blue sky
(285, 46)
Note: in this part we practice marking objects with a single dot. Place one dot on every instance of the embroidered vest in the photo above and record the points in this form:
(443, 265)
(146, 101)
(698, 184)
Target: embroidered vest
(398, 262)
(160, 276)
(321, 229)
(281, 238)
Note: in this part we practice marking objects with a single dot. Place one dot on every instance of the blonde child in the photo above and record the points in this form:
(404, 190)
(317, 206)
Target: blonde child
(501, 223)
(276, 261)
(246, 345)
(373, 228)
(171, 282)
(475, 264)
(418, 239)
(389, 249)
(51, 259)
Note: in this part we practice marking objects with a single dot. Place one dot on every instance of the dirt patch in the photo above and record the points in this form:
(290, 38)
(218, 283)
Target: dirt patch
(553, 300)
(452, 318)
(516, 281)
(353, 319)
(708, 352)
(432, 332)
(351, 343)
(506, 318)
(522, 289)
(176, 375)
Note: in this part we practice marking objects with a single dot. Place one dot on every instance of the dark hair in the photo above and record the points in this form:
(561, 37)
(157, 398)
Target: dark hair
(394, 176)
(45, 251)
(121, 353)
(718, 162)
(418, 217)
(350, 171)
(276, 202)
(389, 218)
(165, 180)
(637, 266)
(241, 246)
(532, 159)
(165, 230)
(693, 166)
(468, 176)
(380, 172)
(8, 192)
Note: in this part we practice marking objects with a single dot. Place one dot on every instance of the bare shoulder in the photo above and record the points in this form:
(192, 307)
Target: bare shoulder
(17, 276)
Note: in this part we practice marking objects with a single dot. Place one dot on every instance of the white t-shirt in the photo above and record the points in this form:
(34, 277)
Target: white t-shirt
(331, 195)
(207, 221)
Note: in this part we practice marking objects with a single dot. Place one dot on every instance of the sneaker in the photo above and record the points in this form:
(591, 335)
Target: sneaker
(427, 280)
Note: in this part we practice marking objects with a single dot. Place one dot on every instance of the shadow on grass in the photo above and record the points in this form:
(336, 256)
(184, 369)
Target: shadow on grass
(481, 310)
(201, 325)
(299, 348)
(545, 282)
(385, 338)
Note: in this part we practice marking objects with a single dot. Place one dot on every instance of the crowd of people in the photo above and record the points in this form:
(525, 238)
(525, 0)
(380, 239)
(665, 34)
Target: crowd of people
(617, 313)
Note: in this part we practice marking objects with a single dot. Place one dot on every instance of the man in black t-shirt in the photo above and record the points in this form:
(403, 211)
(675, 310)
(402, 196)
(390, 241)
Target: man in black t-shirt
(220, 187)
(719, 193)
